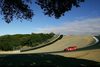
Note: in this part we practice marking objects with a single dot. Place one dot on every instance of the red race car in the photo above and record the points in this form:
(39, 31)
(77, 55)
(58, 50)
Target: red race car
(70, 48)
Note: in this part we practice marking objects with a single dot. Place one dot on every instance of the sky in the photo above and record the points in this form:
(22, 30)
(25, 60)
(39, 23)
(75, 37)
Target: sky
(84, 20)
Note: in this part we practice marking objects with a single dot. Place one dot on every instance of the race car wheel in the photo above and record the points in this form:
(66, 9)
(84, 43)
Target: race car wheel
(64, 50)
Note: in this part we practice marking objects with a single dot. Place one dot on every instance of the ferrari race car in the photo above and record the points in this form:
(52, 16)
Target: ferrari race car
(70, 48)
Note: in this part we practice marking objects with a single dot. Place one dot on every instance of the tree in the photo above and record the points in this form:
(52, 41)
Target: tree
(15, 8)
(20, 10)
(57, 7)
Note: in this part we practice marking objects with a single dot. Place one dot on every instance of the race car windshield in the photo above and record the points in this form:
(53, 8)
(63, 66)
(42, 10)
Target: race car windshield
(70, 47)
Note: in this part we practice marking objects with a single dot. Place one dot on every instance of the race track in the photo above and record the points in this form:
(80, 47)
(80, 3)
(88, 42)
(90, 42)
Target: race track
(56, 49)
(66, 41)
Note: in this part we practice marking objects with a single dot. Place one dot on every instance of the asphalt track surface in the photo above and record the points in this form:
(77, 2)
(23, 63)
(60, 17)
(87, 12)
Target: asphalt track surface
(66, 41)
(60, 45)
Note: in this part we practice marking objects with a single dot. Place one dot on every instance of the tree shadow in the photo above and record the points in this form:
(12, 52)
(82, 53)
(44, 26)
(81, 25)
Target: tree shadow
(44, 60)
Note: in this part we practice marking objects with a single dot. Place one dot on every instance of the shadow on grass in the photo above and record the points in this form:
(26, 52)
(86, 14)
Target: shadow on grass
(44, 60)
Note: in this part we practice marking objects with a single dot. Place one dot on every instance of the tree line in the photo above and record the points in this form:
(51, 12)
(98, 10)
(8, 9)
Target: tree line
(7, 42)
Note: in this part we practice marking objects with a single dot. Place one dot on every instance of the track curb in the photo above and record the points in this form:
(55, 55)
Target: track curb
(91, 44)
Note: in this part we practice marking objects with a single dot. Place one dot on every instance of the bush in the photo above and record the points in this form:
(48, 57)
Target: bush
(10, 42)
